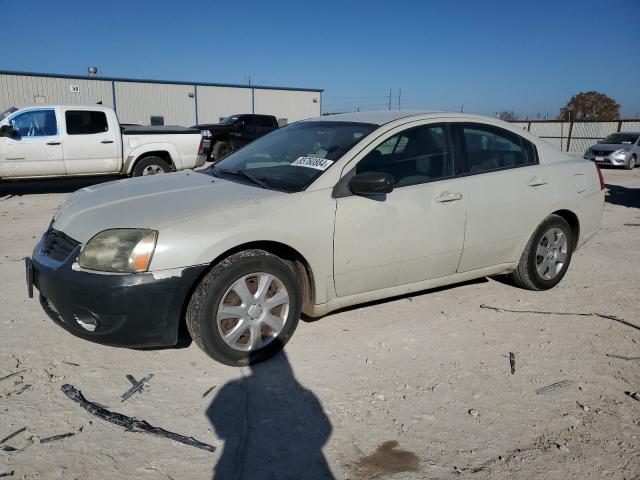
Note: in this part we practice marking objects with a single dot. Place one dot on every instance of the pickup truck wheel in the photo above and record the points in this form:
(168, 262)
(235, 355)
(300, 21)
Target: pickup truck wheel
(245, 309)
(220, 150)
(547, 255)
(151, 166)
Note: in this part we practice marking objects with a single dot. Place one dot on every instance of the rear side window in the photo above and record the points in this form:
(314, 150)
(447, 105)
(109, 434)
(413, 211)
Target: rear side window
(264, 121)
(491, 148)
(85, 122)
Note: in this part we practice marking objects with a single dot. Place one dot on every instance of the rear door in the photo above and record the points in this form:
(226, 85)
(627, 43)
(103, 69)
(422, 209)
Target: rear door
(509, 194)
(36, 148)
(264, 125)
(91, 142)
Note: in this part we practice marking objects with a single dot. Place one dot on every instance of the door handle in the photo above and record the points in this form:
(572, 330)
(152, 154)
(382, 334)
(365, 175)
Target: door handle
(53, 143)
(449, 197)
(106, 141)
(537, 181)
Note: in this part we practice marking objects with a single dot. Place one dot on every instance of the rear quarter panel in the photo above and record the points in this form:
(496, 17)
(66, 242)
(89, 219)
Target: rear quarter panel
(577, 189)
(183, 148)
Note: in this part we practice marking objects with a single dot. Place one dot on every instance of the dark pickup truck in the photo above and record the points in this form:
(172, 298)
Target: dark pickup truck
(235, 131)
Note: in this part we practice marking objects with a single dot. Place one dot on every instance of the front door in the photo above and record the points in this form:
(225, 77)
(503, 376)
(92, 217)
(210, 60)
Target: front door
(412, 234)
(36, 147)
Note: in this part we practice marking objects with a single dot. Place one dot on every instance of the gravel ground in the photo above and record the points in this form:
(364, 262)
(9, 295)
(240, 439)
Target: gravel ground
(415, 387)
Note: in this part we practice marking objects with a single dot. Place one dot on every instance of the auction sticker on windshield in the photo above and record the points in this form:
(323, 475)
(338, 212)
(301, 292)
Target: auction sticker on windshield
(313, 162)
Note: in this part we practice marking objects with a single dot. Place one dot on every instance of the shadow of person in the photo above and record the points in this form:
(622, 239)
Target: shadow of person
(272, 427)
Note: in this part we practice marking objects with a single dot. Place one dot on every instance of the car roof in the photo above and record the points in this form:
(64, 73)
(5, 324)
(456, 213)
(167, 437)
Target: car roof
(382, 117)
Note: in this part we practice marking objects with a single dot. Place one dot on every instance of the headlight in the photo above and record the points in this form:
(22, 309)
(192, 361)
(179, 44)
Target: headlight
(127, 250)
(623, 151)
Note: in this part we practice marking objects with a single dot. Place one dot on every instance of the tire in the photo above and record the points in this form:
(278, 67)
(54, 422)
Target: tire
(220, 150)
(219, 289)
(531, 273)
(150, 166)
(631, 163)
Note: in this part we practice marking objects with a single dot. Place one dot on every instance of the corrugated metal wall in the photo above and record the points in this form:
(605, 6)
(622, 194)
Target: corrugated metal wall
(22, 91)
(579, 135)
(137, 102)
(289, 105)
(216, 102)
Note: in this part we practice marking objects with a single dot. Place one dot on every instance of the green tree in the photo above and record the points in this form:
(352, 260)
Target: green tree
(590, 106)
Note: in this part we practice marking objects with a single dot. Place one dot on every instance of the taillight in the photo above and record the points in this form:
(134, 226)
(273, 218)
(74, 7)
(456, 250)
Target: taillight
(201, 147)
(600, 177)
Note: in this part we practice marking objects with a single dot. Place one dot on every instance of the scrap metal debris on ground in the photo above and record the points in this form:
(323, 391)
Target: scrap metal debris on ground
(623, 357)
(129, 423)
(137, 386)
(7, 474)
(208, 391)
(512, 362)
(53, 438)
(12, 374)
(634, 395)
(553, 387)
(14, 434)
(582, 314)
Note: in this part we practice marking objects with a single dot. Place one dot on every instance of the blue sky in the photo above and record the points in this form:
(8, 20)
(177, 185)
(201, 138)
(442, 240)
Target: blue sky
(527, 56)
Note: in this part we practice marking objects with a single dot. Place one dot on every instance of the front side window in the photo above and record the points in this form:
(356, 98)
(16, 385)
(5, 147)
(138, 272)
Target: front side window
(292, 157)
(417, 155)
(491, 148)
(35, 123)
(85, 122)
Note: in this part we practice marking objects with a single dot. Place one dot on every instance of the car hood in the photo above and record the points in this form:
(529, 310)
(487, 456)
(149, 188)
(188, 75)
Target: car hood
(608, 147)
(151, 202)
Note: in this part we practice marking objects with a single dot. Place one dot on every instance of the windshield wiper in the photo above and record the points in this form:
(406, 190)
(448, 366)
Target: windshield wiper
(243, 173)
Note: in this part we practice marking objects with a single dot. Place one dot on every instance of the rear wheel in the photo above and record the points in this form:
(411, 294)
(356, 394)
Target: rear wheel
(151, 166)
(546, 256)
(245, 309)
(631, 163)
(220, 150)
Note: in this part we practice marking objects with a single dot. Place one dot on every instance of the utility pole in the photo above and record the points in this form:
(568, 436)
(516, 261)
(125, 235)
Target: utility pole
(462, 109)
(399, 99)
(389, 99)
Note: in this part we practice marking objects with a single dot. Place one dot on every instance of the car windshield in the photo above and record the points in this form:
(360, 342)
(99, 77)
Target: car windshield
(7, 112)
(229, 120)
(620, 138)
(292, 157)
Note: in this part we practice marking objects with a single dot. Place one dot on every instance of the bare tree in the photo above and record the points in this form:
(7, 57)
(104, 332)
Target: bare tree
(590, 106)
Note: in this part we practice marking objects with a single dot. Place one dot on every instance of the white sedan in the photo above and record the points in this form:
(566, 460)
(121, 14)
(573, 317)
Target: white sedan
(322, 214)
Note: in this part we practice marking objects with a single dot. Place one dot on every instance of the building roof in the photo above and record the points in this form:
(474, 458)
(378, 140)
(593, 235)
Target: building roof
(169, 82)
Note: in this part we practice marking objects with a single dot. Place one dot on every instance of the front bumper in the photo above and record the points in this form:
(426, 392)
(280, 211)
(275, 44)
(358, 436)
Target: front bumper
(615, 160)
(126, 310)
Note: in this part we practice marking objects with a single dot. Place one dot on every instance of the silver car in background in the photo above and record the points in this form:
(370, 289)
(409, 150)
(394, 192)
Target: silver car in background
(618, 149)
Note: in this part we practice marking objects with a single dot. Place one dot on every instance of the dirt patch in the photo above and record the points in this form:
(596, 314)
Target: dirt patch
(387, 458)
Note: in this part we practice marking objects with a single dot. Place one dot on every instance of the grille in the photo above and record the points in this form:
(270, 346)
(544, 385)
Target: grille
(601, 153)
(58, 246)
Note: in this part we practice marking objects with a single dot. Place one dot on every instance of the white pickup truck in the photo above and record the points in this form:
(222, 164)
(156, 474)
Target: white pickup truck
(58, 141)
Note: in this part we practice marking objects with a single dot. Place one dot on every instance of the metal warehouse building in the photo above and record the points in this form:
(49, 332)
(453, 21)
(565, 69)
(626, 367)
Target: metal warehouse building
(169, 103)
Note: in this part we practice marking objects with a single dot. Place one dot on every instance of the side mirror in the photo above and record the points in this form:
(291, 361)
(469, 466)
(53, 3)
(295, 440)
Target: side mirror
(371, 183)
(7, 131)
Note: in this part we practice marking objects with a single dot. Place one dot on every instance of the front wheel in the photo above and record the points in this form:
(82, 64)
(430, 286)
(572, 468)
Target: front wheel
(631, 163)
(245, 309)
(546, 256)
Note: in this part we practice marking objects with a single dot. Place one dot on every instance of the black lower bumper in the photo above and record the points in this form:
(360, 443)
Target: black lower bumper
(130, 310)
